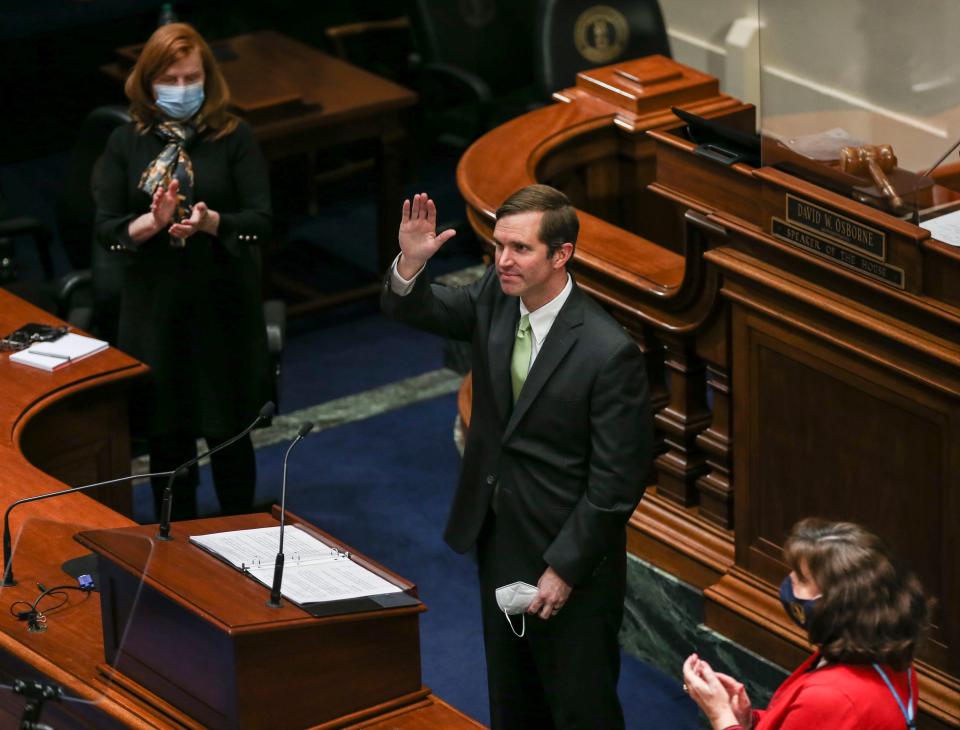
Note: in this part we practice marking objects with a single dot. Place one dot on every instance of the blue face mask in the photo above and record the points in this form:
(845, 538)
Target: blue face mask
(179, 102)
(799, 609)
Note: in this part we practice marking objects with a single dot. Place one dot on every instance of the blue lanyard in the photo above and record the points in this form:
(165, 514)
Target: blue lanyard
(908, 710)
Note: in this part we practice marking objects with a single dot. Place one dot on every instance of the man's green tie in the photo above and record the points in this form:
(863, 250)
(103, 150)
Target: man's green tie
(520, 362)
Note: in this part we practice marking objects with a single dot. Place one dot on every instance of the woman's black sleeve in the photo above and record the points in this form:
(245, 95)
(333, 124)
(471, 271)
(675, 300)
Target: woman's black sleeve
(109, 186)
(251, 222)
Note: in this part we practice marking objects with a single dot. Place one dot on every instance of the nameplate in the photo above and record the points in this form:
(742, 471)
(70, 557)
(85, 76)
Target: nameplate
(834, 252)
(838, 227)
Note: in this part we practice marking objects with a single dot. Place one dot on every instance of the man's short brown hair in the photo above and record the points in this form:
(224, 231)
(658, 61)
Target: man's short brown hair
(872, 608)
(559, 224)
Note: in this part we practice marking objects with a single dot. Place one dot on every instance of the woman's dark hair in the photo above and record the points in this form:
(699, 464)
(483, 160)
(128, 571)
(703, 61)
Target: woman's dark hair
(559, 224)
(170, 43)
(872, 608)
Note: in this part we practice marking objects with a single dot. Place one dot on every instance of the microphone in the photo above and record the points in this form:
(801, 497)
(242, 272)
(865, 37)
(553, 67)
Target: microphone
(8, 558)
(274, 601)
(266, 413)
(916, 190)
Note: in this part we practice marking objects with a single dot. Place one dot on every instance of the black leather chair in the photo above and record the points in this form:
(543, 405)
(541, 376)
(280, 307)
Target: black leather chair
(53, 294)
(86, 296)
(474, 66)
(75, 207)
(14, 227)
(76, 211)
(574, 35)
(482, 62)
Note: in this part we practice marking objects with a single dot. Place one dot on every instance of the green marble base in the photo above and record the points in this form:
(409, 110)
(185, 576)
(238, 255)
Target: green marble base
(663, 625)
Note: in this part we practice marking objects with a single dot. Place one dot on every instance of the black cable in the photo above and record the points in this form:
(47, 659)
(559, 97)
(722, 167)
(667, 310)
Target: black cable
(32, 612)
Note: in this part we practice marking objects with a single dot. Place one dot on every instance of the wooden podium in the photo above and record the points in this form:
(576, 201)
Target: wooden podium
(193, 636)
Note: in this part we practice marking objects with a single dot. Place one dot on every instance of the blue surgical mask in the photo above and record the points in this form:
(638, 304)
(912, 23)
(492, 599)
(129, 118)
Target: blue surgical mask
(179, 102)
(799, 609)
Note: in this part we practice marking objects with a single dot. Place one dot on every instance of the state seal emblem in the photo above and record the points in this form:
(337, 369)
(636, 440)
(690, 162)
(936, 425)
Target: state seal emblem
(601, 34)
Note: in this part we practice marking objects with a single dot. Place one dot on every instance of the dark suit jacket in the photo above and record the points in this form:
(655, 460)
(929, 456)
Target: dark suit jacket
(571, 456)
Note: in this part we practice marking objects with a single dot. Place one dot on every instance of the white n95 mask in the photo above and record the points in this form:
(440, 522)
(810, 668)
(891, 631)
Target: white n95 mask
(516, 598)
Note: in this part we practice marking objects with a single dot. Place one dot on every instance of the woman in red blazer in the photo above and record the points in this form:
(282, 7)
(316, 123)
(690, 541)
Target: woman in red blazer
(863, 610)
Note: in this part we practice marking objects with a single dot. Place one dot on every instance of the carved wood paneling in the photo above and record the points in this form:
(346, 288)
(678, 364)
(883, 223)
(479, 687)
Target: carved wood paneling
(716, 493)
(885, 430)
(684, 418)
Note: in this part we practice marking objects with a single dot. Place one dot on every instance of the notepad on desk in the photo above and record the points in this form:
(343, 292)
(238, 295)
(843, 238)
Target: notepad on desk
(54, 355)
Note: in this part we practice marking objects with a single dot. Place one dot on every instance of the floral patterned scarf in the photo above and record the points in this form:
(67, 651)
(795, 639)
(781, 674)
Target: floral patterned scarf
(173, 163)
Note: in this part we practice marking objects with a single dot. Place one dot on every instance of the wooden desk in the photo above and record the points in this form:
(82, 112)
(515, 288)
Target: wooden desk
(299, 101)
(58, 426)
(834, 393)
(844, 365)
(70, 653)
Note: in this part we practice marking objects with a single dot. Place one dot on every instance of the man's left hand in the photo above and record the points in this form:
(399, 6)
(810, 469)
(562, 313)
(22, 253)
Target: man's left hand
(553, 594)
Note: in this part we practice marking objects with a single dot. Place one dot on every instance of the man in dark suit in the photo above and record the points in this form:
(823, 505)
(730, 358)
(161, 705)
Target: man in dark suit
(556, 456)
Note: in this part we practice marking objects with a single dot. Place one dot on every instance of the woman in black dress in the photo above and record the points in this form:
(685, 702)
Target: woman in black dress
(184, 192)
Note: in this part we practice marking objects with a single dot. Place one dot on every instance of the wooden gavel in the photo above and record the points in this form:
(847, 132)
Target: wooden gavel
(875, 160)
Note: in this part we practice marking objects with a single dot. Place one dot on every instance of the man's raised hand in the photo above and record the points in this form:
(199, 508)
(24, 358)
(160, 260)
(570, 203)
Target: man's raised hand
(418, 235)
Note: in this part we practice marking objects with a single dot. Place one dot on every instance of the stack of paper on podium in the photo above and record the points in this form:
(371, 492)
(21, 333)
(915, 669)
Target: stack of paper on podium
(53, 355)
(190, 633)
(313, 571)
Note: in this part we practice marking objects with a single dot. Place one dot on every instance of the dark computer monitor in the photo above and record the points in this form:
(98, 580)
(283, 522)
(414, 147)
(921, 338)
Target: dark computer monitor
(720, 142)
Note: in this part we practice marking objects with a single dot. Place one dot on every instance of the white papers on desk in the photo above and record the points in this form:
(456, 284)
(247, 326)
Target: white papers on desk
(336, 580)
(313, 571)
(945, 228)
(52, 355)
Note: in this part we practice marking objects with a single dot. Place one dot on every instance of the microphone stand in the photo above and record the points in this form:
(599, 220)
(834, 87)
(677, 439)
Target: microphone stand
(266, 412)
(7, 548)
(36, 693)
(274, 601)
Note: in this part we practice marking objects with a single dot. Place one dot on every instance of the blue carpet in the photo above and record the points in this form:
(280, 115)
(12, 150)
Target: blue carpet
(30, 189)
(351, 354)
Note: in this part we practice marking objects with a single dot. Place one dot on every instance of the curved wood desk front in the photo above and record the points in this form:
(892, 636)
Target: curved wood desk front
(35, 406)
(41, 413)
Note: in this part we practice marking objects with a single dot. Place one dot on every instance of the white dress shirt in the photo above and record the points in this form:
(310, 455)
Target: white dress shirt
(542, 318)
(398, 285)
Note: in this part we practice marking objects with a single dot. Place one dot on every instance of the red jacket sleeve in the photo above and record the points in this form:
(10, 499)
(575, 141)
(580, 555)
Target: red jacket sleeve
(757, 714)
(816, 706)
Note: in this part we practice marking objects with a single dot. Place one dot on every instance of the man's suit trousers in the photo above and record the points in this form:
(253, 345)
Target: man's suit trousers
(563, 673)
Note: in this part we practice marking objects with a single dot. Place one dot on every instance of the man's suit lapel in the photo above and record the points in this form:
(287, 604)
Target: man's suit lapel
(562, 336)
(503, 331)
